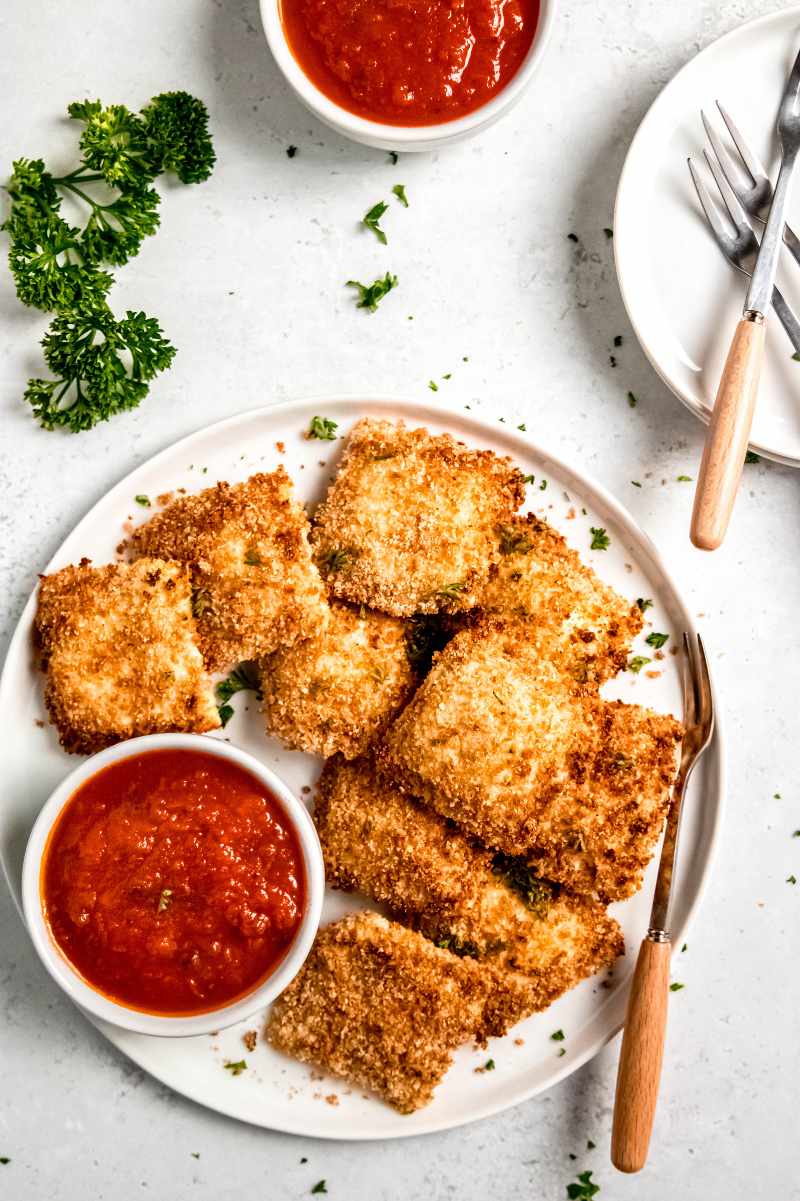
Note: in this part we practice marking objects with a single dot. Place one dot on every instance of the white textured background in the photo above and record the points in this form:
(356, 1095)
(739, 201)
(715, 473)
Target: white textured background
(246, 276)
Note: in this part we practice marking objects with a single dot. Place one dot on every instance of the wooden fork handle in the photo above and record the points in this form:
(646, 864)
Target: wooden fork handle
(640, 1057)
(728, 435)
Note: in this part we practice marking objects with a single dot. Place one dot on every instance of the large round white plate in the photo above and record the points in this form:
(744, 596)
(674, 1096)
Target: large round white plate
(682, 297)
(274, 1091)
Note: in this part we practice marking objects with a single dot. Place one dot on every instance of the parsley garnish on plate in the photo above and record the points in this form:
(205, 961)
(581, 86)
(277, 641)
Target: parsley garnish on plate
(322, 428)
(608, 232)
(291, 151)
(243, 678)
(370, 295)
(399, 191)
(393, 156)
(236, 1068)
(684, 479)
(142, 500)
(751, 456)
(791, 879)
(434, 387)
(319, 1187)
(643, 603)
(558, 1036)
(584, 1189)
(600, 539)
(537, 894)
(489, 1066)
(637, 663)
(632, 401)
(372, 218)
(656, 640)
(5, 1159)
(676, 987)
(618, 340)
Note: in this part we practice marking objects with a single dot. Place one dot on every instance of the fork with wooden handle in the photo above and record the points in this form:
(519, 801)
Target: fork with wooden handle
(646, 1017)
(732, 416)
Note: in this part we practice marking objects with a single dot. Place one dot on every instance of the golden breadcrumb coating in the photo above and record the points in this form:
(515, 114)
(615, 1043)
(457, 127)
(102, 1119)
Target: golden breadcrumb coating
(383, 1007)
(538, 575)
(387, 846)
(408, 524)
(502, 739)
(255, 587)
(336, 690)
(120, 650)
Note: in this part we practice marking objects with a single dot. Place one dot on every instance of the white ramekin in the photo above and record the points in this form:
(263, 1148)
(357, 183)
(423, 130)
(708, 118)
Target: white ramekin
(118, 1014)
(402, 138)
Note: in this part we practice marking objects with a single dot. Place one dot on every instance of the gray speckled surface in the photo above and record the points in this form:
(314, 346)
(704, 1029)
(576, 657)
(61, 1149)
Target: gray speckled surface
(246, 276)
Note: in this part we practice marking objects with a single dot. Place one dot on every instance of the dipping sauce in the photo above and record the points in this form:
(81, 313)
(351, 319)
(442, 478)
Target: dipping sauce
(410, 62)
(173, 882)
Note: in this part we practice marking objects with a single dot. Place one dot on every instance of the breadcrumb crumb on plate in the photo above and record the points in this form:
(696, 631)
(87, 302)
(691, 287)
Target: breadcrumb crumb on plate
(504, 740)
(379, 842)
(337, 690)
(408, 524)
(255, 587)
(381, 1006)
(120, 650)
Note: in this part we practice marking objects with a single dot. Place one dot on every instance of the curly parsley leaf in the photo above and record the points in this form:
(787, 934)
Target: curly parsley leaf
(243, 678)
(600, 539)
(235, 1068)
(399, 190)
(656, 640)
(584, 1189)
(101, 366)
(176, 127)
(370, 296)
(319, 1187)
(372, 219)
(637, 663)
(322, 428)
(643, 603)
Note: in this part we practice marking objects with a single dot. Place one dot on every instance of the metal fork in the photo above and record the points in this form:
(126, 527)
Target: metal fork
(741, 248)
(646, 1017)
(756, 195)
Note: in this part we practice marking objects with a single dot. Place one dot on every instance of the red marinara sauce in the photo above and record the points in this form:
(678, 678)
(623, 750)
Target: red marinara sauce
(173, 882)
(410, 62)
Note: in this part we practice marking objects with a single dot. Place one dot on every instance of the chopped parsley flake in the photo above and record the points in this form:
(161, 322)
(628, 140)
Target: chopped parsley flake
(225, 714)
(370, 296)
(584, 1189)
(372, 218)
(434, 387)
(336, 559)
(590, 1146)
(393, 157)
(543, 486)
(236, 1068)
(561, 1052)
(656, 640)
(253, 559)
(643, 603)
(5, 1159)
(600, 539)
(676, 987)
(796, 834)
(142, 500)
(573, 237)
(632, 402)
(164, 899)
(638, 662)
(791, 879)
(291, 151)
(608, 232)
(751, 456)
(537, 894)
(618, 340)
(529, 479)
(450, 591)
(489, 1066)
(684, 947)
(684, 479)
(636, 483)
(513, 541)
(243, 678)
(322, 428)
(558, 1036)
(195, 1154)
(399, 191)
(319, 1187)
(522, 427)
(448, 376)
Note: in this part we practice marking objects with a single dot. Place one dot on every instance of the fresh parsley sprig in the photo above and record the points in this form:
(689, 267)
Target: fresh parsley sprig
(372, 220)
(370, 296)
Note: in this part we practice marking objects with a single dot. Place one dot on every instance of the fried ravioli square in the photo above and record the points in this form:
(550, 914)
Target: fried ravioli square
(408, 523)
(120, 651)
(538, 575)
(383, 1007)
(379, 842)
(255, 586)
(336, 690)
(501, 739)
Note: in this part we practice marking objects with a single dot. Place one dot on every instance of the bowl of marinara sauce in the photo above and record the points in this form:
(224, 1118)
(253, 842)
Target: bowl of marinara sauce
(173, 885)
(408, 74)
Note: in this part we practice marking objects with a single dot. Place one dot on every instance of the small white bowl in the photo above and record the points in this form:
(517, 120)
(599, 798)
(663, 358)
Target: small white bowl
(402, 138)
(115, 1012)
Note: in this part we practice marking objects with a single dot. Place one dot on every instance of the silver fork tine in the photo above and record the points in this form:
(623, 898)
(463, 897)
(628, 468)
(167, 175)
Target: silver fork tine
(704, 683)
(710, 210)
(725, 158)
(749, 159)
(732, 204)
(689, 707)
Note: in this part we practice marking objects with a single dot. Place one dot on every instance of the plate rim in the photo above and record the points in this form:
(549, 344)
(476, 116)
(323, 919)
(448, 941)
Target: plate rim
(406, 408)
(623, 200)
